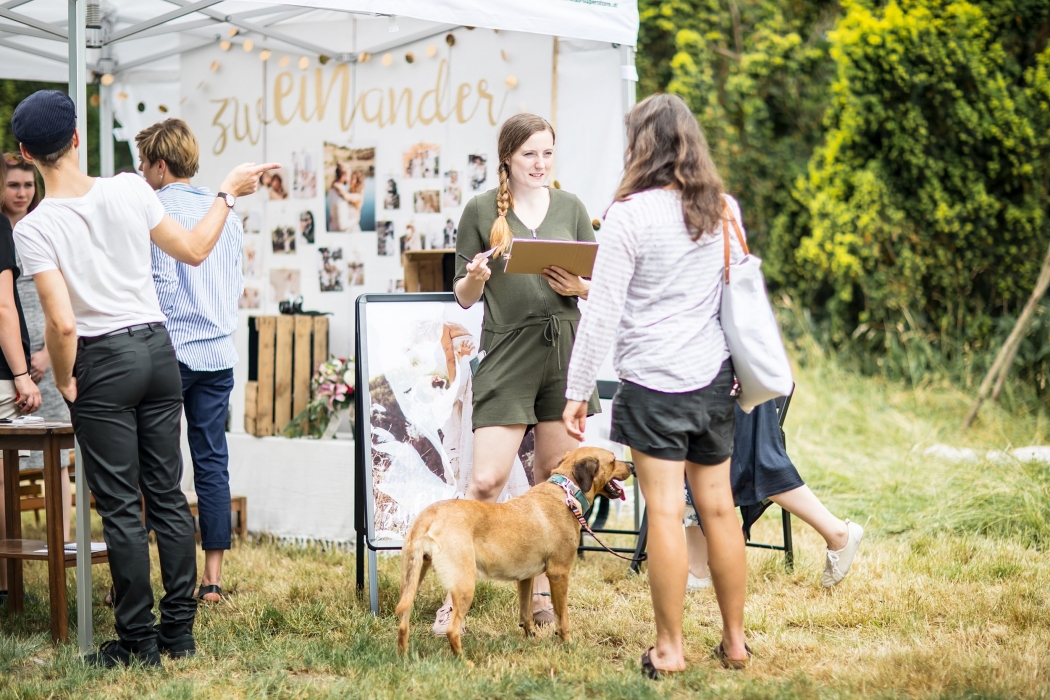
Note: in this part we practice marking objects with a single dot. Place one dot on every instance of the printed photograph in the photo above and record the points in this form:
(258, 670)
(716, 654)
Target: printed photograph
(355, 276)
(251, 219)
(306, 225)
(477, 171)
(285, 285)
(283, 239)
(411, 238)
(391, 199)
(349, 180)
(385, 246)
(421, 161)
(453, 189)
(304, 175)
(426, 202)
(250, 260)
(420, 395)
(329, 272)
(273, 184)
(250, 299)
(449, 234)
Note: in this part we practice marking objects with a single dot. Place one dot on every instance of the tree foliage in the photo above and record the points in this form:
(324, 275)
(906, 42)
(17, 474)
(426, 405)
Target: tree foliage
(927, 200)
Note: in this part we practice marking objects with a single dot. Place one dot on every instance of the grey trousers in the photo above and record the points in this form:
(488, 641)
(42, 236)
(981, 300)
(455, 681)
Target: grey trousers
(126, 419)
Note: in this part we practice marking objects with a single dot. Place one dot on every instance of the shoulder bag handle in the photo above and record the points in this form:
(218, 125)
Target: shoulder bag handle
(730, 219)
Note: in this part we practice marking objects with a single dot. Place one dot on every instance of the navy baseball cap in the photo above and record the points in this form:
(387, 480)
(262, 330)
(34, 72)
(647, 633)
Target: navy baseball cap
(44, 122)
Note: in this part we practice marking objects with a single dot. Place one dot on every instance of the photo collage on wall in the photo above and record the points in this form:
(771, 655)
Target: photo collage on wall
(328, 204)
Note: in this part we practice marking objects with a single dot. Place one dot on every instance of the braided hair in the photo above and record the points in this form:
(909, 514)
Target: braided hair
(514, 132)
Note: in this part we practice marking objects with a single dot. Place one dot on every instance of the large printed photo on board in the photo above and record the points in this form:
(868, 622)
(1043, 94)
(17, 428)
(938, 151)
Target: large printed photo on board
(419, 433)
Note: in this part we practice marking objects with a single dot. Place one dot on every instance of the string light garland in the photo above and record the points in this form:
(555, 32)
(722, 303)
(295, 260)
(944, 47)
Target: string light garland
(388, 59)
(225, 45)
(432, 50)
(107, 79)
(214, 66)
(285, 60)
(364, 57)
(511, 82)
(248, 45)
(450, 39)
(264, 55)
(410, 57)
(304, 63)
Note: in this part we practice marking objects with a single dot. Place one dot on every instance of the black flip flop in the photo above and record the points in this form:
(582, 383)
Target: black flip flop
(209, 589)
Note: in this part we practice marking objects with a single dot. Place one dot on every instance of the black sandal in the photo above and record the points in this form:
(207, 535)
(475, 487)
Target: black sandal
(732, 664)
(208, 590)
(652, 672)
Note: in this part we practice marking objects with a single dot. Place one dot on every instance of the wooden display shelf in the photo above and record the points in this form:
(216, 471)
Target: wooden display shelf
(27, 550)
(429, 270)
(283, 354)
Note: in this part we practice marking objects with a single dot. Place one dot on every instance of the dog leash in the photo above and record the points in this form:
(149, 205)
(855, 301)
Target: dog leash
(566, 486)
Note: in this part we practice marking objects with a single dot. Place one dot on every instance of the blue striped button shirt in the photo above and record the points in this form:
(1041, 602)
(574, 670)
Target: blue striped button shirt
(200, 302)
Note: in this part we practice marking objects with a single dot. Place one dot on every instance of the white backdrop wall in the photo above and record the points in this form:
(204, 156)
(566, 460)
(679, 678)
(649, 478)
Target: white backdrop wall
(244, 109)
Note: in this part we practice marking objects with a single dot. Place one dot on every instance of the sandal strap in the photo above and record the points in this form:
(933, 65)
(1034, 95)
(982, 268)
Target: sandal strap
(209, 589)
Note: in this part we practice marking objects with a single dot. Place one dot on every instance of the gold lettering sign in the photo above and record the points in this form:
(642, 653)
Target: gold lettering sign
(298, 102)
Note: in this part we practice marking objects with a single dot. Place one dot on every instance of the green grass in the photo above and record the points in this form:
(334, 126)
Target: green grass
(949, 598)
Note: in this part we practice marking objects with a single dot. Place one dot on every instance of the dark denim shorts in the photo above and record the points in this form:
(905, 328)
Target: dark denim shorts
(697, 426)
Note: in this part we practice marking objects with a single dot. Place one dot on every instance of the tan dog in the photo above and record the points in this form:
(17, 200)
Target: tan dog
(512, 541)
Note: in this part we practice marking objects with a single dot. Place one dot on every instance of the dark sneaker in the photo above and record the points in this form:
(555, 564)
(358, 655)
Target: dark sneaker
(117, 652)
(178, 647)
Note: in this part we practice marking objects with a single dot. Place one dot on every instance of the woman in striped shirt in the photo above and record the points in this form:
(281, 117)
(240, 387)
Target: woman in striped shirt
(657, 287)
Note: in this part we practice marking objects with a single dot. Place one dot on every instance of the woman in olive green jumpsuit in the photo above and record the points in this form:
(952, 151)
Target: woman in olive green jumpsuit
(530, 320)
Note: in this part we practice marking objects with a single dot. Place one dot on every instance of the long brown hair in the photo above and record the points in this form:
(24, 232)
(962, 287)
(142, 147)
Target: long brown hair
(666, 146)
(15, 161)
(514, 132)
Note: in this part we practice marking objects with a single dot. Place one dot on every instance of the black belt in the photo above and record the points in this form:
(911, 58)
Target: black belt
(129, 330)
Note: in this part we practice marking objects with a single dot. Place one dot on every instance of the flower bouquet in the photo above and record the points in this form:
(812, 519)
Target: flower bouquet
(333, 398)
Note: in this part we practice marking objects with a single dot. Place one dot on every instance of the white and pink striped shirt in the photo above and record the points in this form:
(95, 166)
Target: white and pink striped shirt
(658, 292)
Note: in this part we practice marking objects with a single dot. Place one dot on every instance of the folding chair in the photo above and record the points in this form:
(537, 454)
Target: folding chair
(787, 548)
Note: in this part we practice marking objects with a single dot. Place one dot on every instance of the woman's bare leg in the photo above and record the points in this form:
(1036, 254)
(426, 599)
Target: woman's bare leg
(494, 450)
(697, 545)
(552, 442)
(727, 561)
(804, 504)
(661, 484)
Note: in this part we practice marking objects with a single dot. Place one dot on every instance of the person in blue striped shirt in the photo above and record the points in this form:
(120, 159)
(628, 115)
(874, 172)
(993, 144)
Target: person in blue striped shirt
(200, 304)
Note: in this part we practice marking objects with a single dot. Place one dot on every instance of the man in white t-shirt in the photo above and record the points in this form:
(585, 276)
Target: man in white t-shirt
(87, 246)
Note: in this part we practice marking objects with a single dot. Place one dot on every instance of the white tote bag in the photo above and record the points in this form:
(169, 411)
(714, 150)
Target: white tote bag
(759, 359)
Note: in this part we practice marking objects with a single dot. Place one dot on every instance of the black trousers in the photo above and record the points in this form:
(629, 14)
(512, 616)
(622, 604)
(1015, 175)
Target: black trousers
(127, 420)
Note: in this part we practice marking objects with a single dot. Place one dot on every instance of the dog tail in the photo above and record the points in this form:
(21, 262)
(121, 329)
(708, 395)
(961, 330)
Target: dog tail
(413, 569)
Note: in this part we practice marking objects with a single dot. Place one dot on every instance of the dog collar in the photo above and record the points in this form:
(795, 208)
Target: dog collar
(571, 489)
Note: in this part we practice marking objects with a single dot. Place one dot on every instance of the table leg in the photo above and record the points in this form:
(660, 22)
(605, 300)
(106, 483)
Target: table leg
(13, 518)
(56, 555)
(85, 631)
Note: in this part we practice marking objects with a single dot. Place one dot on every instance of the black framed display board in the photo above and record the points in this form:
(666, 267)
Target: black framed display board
(413, 436)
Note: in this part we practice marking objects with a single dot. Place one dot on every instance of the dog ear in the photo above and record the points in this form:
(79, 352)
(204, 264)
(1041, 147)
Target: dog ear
(583, 472)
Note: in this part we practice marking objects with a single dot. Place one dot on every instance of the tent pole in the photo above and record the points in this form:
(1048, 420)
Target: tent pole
(105, 130)
(628, 83)
(78, 91)
(78, 74)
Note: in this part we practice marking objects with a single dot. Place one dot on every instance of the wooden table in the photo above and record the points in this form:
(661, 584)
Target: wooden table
(50, 437)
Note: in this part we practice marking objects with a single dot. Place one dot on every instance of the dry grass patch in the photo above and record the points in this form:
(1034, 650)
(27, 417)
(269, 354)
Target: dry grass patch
(949, 598)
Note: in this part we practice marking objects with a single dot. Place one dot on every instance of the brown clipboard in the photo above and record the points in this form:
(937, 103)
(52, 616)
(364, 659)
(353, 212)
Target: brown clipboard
(528, 256)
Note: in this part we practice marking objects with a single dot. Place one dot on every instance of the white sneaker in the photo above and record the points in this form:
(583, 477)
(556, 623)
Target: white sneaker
(695, 584)
(836, 564)
(442, 620)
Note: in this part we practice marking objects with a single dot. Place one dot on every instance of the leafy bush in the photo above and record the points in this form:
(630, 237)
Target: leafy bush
(927, 200)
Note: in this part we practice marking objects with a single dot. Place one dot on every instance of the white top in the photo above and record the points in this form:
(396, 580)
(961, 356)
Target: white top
(101, 244)
(659, 293)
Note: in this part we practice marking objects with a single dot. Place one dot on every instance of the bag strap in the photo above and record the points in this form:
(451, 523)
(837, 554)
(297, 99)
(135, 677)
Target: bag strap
(730, 219)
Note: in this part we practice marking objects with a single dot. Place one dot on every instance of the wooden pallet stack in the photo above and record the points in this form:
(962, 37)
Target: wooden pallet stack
(283, 354)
